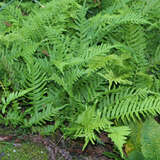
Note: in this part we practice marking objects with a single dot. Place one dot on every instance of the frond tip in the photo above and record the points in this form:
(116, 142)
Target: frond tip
(119, 136)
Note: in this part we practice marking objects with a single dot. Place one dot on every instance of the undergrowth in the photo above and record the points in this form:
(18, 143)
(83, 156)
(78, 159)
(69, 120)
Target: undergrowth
(82, 67)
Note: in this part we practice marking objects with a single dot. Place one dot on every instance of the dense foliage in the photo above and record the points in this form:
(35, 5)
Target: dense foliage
(80, 67)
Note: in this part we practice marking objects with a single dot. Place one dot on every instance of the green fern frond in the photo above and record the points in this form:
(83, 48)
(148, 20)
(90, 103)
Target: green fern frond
(47, 114)
(131, 104)
(112, 78)
(86, 90)
(37, 80)
(81, 25)
(87, 123)
(119, 136)
(14, 117)
(143, 80)
(135, 38)
(100, 50)
(13, 96)
(69, 78)
(101, 25)
(46, 130)
(155, 59)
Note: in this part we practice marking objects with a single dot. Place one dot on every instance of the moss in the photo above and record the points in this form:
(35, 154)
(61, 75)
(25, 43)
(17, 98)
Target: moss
(26, 151)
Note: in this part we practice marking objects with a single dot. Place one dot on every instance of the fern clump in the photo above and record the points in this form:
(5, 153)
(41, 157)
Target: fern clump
(79, 66)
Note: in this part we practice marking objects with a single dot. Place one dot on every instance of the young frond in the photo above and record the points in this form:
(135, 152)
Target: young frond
(87, 123)
(119, 136)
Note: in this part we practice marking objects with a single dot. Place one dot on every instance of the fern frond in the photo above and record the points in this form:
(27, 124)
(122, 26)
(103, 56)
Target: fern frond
(87, 123)
(81, 25)
(39, 118)
(112, 78)
(101, 25)
(135, 38)
(37, 80)
(119, 136)
(88, 88)
(69, 78)
(14, 117)
(13, 96)
(46, 130)
(130, 104)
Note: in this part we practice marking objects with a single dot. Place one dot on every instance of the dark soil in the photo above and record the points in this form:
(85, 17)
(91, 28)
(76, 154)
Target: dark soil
(59, 148)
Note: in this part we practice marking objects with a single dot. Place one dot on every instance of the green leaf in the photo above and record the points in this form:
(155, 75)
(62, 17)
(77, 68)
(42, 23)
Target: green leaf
(135, 155)
(150, 140)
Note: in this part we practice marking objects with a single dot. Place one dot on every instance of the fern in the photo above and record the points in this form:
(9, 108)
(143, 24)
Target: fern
(129, 104)
(91, 121)
(118, 136)
(46, 130)
(46, 115)
(135, 38)
(76, 66)
(13, 96)
(35, 79)
(14, 117)
(87, 123)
